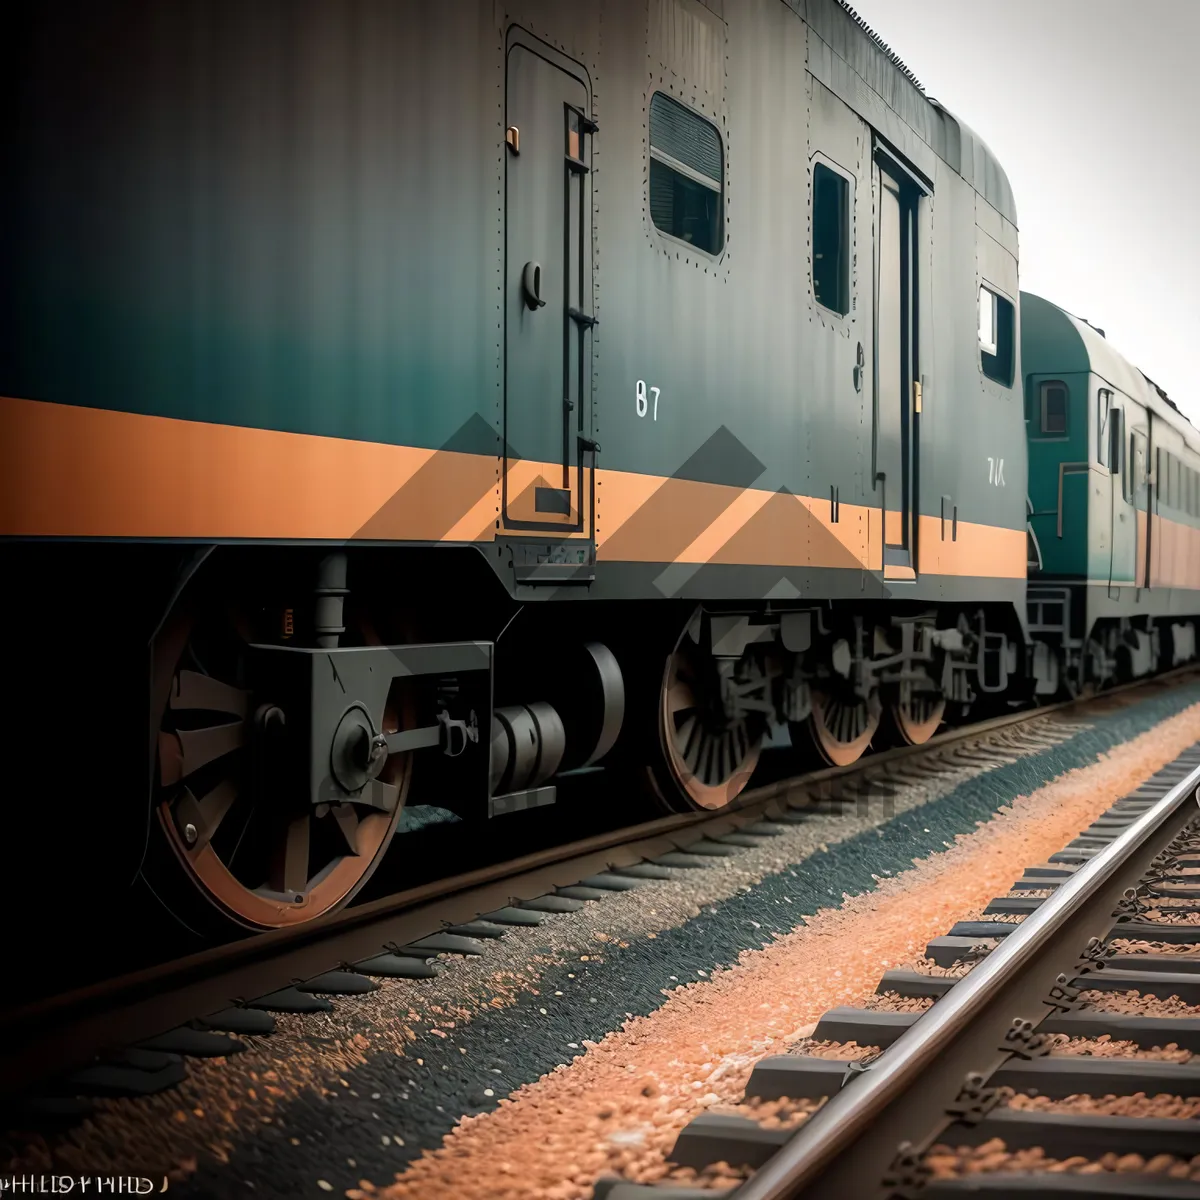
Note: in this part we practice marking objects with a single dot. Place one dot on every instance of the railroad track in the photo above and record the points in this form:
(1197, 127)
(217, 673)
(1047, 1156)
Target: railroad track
(132, 1036)
(954, 1085)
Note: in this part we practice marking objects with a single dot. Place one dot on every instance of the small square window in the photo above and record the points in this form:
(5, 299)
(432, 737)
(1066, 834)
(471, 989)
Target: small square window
(1054, 408)
(997, 343)
(686, 175)
(831, 239)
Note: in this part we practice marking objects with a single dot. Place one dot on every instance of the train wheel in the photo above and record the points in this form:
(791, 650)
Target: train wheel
(707, 757)
(842, 725)
(249, 850)
(915, 712)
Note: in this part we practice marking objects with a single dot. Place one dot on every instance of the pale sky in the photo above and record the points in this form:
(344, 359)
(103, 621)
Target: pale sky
(1093, 109)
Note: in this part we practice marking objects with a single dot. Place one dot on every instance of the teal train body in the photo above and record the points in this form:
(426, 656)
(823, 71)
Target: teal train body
(437, 404)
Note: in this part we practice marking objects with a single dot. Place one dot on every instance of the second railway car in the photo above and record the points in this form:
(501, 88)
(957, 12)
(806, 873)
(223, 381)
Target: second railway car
(418, 404)
(1114, 498)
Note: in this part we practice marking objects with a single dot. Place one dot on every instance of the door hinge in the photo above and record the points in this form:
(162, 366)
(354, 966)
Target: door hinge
(916, 395)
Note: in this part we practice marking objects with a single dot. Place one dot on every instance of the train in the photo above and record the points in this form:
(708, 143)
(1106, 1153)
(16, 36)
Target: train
(430, 405)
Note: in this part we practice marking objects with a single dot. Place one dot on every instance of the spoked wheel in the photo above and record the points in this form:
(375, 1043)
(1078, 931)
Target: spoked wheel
(915, 712)
(842, 725)
(243, 833)
(708, 756)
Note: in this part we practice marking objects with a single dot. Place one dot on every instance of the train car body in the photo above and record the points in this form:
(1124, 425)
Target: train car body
(1114, 478)
(623, 379)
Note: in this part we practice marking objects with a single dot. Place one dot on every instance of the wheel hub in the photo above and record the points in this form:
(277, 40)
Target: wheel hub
(358, 751)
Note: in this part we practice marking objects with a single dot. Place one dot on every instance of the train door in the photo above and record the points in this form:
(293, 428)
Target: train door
(1100, 503)
(1137, 482)
(1122, 519)
(548, 304)
(1158, 488)
(840, 222)
(897, 370)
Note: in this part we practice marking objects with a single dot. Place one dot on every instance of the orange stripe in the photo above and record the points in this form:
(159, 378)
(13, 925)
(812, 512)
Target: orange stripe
(84, 472)
(893, 527)
(67, 471)
(1174, 553)
(644, 519)
(986, 551)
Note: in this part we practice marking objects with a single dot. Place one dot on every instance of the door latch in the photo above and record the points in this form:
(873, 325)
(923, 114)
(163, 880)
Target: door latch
(916, 395)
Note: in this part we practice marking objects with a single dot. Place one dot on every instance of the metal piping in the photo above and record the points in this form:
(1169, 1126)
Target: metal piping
(845, 1116)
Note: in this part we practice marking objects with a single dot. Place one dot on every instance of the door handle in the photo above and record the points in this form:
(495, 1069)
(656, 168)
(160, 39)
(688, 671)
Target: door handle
(531, 284)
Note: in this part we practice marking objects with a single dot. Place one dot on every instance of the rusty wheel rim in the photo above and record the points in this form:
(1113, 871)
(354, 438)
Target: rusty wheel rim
(711, 761)
(309, 860)
(917, 713)
(842, 726)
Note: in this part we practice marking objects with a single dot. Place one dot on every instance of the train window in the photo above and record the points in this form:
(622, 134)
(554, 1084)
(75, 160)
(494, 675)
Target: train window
(831, 239)
(997, 327)
(1103, 437)
(1116, 441)
(1054, 407)
(687, 168)
(1137, 449)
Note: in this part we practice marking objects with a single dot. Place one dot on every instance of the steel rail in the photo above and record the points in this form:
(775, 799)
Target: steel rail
(58, 1032)
(846, 1148)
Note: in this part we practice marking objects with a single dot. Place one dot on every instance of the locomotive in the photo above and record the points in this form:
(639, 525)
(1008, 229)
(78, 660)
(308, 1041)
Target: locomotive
(426, 404)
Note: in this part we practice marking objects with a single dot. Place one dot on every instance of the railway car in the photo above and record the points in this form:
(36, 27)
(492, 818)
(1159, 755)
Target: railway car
(422, 404)
(1114, 482)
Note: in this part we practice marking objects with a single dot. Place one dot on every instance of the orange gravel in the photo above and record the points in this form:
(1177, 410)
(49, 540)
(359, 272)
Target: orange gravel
(890, 1002)
(1125, 946)
(1135, 1004)
(1105, 1047)
(619, 1106)
(948, 1163)
(1160, 1106)
(778, 1114)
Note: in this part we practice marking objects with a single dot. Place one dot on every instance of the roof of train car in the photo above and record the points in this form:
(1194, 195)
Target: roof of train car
(1105, 360)
(882, 70)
